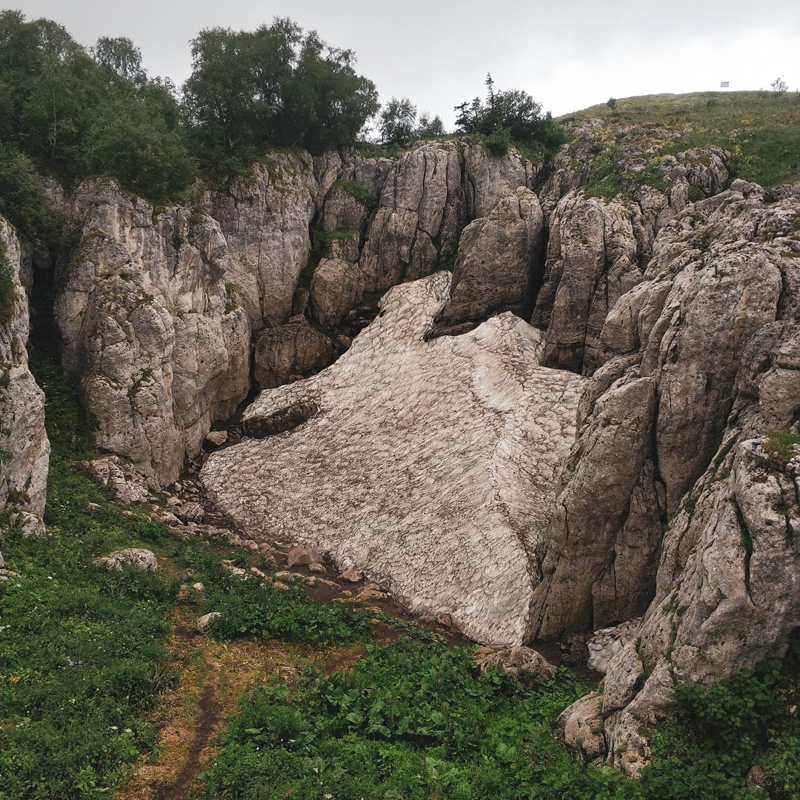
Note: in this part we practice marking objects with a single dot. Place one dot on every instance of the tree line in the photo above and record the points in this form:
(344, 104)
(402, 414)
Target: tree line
(75, 113)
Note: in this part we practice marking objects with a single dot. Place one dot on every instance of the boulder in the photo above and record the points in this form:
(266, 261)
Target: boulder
(583, 726)
(130, 557)
(523, 664)
(289, 352)
(128, 485)
(336, 287)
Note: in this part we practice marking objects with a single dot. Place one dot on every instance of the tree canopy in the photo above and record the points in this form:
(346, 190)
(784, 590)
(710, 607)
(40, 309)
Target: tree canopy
(274, 86)
(512, 114)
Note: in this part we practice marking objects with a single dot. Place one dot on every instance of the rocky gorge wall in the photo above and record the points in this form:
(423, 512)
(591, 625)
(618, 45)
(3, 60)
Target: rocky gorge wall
(24, 447)
(608, 461)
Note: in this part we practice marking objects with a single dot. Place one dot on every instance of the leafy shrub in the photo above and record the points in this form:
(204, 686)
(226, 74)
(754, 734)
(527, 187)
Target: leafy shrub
(779, 449)
(408, 720)
(514, 111)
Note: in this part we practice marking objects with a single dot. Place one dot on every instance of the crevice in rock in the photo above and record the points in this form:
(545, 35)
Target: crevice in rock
(286, 419)
(747, 544)
(536, 275)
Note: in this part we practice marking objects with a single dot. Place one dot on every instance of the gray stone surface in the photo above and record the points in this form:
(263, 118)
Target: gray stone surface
(131, 557)
(496, 258)
(264, 221)
(151, 333)
(336, 288)
(24, 446)
(288, 352)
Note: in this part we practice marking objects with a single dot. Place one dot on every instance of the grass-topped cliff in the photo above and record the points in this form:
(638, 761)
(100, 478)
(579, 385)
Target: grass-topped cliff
(760, 129)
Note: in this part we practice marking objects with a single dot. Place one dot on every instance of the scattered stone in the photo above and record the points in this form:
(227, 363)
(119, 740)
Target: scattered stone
(198, 587)
(365, 595)
(445, 620)
(167, 518)
(317, 568)
(217, 438)
(608, 642)
(583, 723)
(351, 576)
(130, 557)
(190, 512)
(523, 664)
(279, 585)
(346, 593)
(128, 485)
(92, 507)
(205, 621)
(303, 554)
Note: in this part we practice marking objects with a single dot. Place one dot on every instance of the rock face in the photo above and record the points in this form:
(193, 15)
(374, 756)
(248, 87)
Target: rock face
(494, 271)
(419, 218)
(336, 287)
(714, 325)
(653, 415)
(598, 249)
(289, 352)
(150, 330)
(24, 447)
(264, 222)
(429, 466)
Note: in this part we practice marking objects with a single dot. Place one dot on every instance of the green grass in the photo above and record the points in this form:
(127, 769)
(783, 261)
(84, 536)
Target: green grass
(779, 448)
(760, 129)
(410, 720)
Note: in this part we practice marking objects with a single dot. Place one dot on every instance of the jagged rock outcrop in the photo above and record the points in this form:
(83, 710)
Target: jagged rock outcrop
(24, 446)
(715, 324)
(429, 466)
(654, 415)
(489, 178)
(598, 249)
(591, 263)
(264, 221)
(420, 215)
(494, 271)
(337, 287)
(289, 352)
(151, 330)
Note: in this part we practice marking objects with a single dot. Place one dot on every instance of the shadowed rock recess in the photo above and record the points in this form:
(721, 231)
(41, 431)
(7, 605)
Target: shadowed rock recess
(430, 466)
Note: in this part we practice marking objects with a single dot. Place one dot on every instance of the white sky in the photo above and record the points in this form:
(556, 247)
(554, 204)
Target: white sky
(437, 53)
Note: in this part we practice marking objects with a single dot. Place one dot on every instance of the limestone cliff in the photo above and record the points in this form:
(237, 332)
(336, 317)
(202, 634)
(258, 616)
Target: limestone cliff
(24, 447)
(151, 330)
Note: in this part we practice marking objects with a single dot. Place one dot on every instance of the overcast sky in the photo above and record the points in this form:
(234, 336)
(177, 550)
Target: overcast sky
(437, 52)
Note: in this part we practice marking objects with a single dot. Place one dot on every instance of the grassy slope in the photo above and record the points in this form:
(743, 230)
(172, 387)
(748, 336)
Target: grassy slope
(761, 129)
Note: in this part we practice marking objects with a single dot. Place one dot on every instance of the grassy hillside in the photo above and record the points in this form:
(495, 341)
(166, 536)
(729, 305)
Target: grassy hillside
(761, 129)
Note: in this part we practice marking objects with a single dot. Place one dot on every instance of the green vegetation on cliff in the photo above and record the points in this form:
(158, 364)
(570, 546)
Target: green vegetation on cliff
(760, 129)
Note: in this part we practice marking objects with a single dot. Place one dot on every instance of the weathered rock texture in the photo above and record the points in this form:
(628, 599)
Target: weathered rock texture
(289, 352)
(150, 330)
(419, 217)
(264, 221)
(599, 249)
(24, 447)
(429, 466)
(653, 416)
(336, 287)
(494, 270)
(714, 325)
